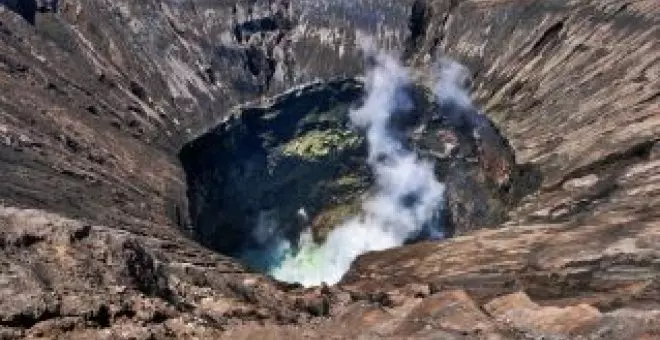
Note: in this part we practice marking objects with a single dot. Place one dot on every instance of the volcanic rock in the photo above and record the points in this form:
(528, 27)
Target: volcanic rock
(98, 238)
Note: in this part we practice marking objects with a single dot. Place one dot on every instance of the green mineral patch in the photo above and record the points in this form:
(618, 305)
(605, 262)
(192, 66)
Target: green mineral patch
(349, 181)
(317, 144)
(334, 216)
(335, 115)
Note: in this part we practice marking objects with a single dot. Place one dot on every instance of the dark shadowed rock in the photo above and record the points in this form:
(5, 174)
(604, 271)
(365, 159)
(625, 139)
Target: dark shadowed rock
(25, 8)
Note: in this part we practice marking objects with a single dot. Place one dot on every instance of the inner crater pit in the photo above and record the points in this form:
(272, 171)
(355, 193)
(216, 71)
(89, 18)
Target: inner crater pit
(275, 181)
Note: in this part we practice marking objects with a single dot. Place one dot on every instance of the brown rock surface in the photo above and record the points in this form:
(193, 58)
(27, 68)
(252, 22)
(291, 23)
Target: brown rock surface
(62, 275)
(521, 313)
(580, 102)
(96, 100)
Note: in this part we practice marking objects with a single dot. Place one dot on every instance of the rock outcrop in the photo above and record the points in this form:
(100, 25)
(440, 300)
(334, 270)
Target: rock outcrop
(97, 99)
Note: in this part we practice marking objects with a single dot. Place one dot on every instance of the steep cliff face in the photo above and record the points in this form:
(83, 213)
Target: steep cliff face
(574, 87)
(153, 75)
(97, 99)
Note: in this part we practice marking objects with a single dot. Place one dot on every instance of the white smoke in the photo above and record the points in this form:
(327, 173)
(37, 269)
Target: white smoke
(452, 84)
(407, 199)
(456, 106)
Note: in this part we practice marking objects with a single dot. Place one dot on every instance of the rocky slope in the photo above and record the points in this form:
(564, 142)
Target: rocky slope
(98, 98)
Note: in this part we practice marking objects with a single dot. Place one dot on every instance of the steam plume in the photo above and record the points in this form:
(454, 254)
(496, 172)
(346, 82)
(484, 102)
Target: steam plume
(452, 92)
(407, 199)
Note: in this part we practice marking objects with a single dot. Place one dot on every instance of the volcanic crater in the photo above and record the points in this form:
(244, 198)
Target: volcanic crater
(152, 151)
